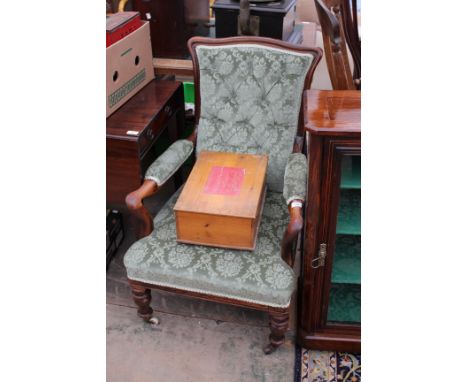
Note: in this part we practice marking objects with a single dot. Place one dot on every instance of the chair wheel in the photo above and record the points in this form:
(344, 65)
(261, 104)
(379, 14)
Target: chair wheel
(269, 349)
(153, 321)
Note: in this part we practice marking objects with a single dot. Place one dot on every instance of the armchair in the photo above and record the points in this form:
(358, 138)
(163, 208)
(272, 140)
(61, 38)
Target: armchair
(248, 99)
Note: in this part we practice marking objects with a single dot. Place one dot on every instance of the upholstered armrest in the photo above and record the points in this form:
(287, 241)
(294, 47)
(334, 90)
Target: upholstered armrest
(156, 175)
(295, 178)
(294, 192)
(169, 162)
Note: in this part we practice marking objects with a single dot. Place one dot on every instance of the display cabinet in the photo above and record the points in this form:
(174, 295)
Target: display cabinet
(330, 282)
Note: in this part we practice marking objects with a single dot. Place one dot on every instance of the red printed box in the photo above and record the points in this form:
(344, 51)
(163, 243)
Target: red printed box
(121, 24)
(221, 203)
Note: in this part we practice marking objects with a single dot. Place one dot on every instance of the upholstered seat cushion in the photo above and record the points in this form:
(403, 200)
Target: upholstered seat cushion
(258, 276)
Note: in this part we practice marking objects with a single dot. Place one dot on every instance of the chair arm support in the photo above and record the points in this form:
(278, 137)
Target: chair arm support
(298, 144)
(193, 137)
(134, 201)
(296, 222)
(165, 165)
(294, 192)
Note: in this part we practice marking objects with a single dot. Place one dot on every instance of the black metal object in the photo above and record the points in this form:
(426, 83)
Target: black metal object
(275, 19)
(114, 233)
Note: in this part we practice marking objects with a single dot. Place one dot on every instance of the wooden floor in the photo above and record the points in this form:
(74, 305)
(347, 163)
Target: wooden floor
(195, 341)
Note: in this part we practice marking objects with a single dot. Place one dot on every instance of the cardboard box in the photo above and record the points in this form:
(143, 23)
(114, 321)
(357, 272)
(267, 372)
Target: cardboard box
(221, 203)
(129, 67)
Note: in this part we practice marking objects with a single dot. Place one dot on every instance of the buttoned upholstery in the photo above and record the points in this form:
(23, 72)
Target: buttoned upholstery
(250, 100)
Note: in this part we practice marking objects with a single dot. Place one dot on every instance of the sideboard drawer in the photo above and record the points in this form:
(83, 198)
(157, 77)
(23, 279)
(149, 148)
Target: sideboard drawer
(132, 133)
(149, 135)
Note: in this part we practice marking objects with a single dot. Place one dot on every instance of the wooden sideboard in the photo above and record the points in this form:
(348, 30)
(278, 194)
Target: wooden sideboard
(330, 282)
(133, 133)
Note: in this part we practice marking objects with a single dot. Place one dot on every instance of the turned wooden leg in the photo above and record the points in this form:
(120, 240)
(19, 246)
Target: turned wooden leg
(142, 297)
(278, 327)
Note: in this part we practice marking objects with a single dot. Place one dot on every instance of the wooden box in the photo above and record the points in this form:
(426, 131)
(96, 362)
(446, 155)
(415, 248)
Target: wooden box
(221, 203)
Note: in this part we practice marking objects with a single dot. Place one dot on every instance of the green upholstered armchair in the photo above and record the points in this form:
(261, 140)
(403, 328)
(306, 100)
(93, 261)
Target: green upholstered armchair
(248, 99)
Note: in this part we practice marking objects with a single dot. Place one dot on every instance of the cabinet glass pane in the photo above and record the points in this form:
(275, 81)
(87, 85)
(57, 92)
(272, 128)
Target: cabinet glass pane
(344, 304)
(347, 259)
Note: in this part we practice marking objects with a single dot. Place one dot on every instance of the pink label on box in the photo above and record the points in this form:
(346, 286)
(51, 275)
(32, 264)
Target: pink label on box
(224, 180)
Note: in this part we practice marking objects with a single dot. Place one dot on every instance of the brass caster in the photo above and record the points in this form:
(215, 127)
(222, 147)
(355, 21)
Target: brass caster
(153, 321)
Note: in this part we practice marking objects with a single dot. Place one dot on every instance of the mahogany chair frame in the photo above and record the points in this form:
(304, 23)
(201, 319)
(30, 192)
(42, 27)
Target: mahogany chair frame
(339, 22)
(278, 317)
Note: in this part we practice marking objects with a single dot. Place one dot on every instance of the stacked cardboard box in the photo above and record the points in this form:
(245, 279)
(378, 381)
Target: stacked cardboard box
(129, 66)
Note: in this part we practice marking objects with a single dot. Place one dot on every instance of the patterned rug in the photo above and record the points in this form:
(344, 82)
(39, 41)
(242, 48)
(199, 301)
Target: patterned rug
(326, 366)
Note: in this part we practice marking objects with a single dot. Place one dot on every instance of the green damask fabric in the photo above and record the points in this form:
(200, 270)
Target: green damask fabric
(259, 276)
(295, 178)
(250, 101)
(169, 161)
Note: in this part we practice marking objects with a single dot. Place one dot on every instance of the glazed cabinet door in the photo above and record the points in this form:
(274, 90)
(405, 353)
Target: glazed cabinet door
(331, 296)
(342, 239)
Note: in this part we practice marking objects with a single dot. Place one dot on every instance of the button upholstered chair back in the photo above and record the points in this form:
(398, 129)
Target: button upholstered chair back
(249, 96)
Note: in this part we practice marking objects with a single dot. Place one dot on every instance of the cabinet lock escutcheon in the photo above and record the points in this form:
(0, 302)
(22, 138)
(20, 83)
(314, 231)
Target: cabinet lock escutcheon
(319, 261)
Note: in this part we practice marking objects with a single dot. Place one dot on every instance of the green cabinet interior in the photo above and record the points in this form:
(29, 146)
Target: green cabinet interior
(347, 260)
(351, 173)
(344, 303)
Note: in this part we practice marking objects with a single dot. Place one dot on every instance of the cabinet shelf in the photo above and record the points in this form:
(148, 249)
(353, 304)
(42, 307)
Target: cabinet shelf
(351, 173)
(349, 213)
(344, 305)
(347, 260)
